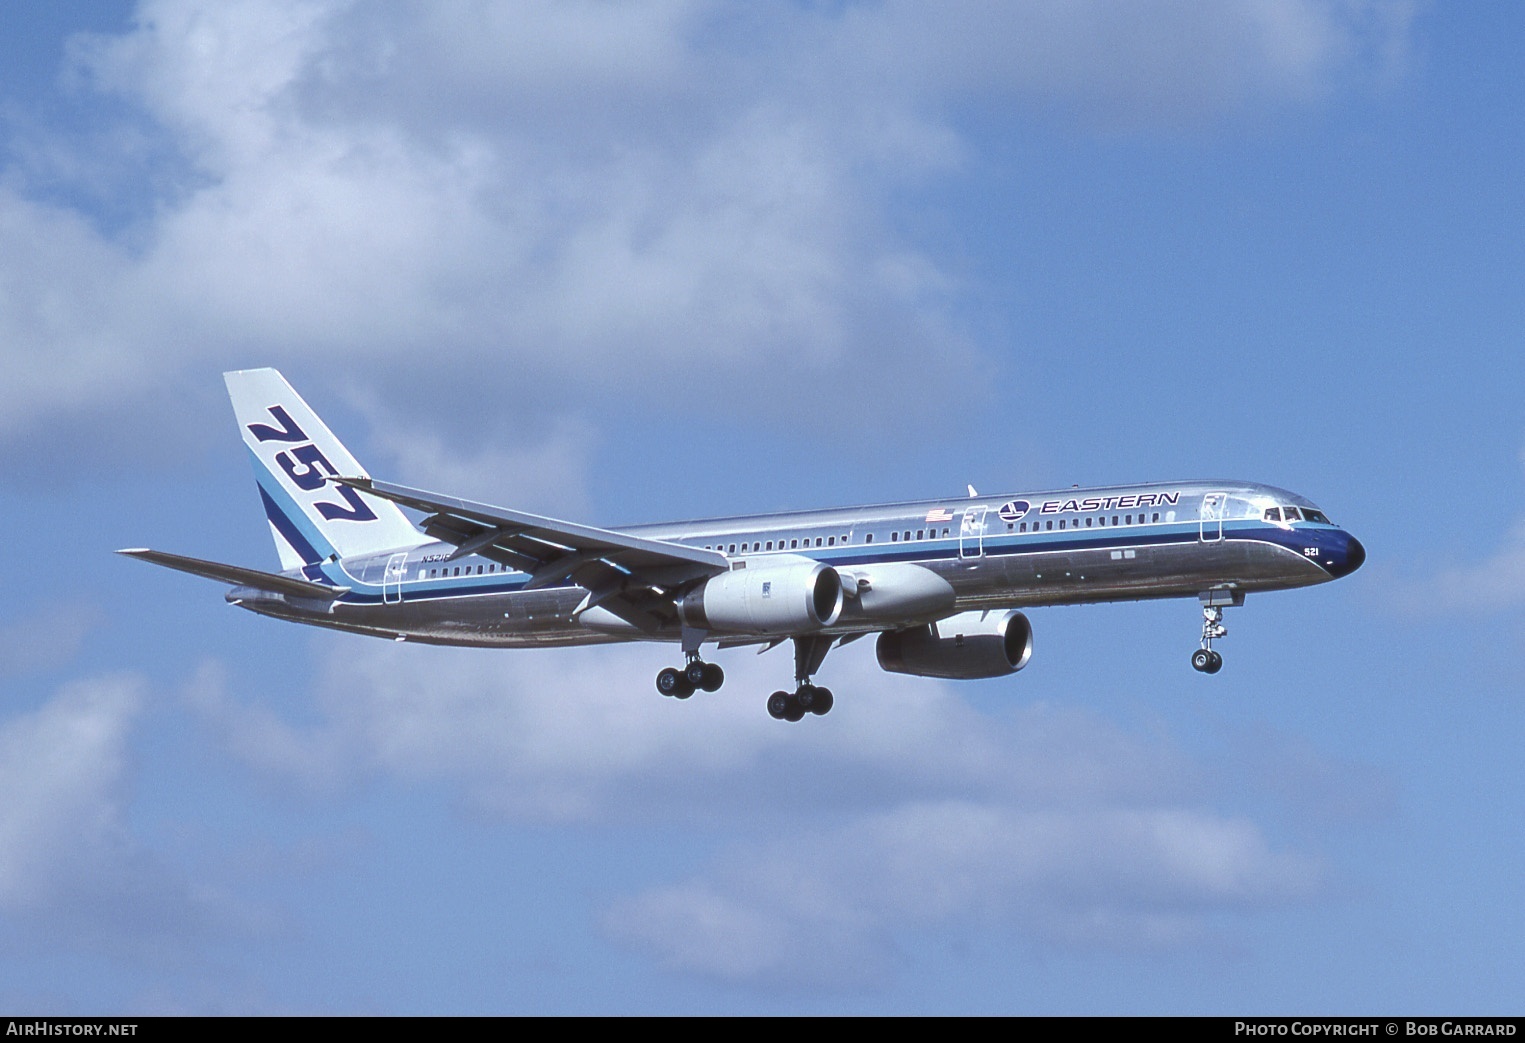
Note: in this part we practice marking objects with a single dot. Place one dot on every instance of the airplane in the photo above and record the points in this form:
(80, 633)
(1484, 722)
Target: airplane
(940, 583)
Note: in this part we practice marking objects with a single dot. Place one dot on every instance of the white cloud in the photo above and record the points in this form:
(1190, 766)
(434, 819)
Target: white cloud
(62, 768)
(1497, 582)
(581, 734)
(904, 810)
(45, 637)
(73, 873)
(1099, 877)
(632, 203)
(549, 476)
(1138, 64)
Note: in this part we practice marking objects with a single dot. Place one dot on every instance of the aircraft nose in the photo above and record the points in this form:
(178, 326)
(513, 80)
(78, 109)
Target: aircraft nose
(1354, 558)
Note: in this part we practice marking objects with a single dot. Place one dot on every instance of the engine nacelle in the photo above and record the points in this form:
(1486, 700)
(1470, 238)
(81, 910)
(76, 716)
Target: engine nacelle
(777, 599)
(964, 647)
(895, 593)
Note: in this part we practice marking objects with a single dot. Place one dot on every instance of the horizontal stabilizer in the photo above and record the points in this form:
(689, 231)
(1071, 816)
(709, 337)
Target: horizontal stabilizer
(296, 588)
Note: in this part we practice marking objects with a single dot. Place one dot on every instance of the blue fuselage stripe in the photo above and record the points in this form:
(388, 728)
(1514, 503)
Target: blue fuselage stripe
(999, 545)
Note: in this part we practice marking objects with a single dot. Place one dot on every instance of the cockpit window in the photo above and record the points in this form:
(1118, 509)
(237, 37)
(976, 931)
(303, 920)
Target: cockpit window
(1292, 514)
(1314, 515)
(1273, 514)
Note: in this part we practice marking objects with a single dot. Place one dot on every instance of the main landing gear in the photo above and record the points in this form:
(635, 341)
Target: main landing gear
(809, 653)
(1205, 660)
(793, 706)
(680, 684)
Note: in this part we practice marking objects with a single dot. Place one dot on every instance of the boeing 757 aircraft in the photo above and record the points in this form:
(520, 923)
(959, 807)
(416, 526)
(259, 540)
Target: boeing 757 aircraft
(942, 583)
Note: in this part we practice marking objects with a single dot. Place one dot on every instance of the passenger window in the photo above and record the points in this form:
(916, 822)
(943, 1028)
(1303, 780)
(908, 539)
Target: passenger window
(1061, 523)
(1114, 519)
(732, 550)
(868, 538)
(818, 541)
(1024, 526)
(921, 534)
(831, 541)
(794, 543)
(1050, 526)
(907, 534)
(894, 537)
(1156, 517)
(1088, 523)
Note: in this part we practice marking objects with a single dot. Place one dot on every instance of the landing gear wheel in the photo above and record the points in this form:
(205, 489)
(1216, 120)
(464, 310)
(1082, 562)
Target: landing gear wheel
(804, 695)
(1202, 661)
(823, 702)
(778, 705)
(1216, 664)
(794, 711)
(714, 677)
(672, 682)
(693, 673)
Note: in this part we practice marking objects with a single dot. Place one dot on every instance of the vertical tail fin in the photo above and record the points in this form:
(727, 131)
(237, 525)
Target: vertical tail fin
(294, 455)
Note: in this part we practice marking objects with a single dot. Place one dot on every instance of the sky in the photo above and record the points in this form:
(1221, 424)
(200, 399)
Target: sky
(625, 262)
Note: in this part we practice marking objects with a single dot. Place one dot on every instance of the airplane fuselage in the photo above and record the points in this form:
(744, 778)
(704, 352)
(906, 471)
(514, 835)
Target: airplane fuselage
(1070, 546)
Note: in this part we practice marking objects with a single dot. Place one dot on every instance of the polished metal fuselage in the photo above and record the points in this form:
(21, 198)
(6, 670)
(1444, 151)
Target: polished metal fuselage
(1068, 546)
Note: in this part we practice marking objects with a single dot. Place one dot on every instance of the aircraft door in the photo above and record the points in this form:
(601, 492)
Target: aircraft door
(1214, 505)
(971, 534)
(391, 580)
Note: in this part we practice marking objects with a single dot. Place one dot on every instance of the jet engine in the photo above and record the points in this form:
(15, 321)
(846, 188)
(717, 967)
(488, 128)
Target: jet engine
(777, 599)
(964, 647)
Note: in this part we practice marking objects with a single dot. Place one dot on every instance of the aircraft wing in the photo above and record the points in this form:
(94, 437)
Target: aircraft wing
(630, 576)
(237, 575)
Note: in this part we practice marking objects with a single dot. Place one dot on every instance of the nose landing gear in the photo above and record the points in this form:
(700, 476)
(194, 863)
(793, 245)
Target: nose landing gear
(1205, 660)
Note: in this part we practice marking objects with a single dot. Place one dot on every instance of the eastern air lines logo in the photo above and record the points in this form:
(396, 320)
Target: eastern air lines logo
(1011, 510)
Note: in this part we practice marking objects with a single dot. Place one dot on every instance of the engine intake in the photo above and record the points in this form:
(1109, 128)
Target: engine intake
(778, 599)
(964, 647)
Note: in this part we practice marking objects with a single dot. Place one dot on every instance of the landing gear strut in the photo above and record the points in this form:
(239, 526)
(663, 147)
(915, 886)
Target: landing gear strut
(809, 653)
(1205, 660)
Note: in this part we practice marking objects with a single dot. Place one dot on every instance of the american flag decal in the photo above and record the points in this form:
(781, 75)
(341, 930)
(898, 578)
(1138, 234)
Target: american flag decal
(941, 514)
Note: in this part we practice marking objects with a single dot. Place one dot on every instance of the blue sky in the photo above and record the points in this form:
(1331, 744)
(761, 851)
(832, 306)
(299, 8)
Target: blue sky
(635, 262)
